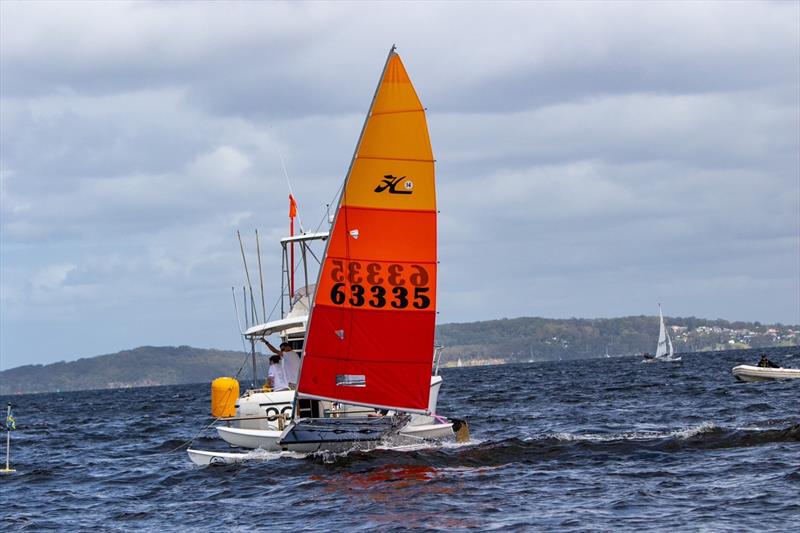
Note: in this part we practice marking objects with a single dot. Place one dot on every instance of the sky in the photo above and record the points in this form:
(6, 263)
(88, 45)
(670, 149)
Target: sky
(593, 158)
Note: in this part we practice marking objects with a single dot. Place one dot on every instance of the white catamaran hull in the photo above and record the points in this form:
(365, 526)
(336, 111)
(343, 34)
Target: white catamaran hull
(338, 435)
(252, 439)
(205, 458)
(428, 431)
(268, 440)
(757, 373)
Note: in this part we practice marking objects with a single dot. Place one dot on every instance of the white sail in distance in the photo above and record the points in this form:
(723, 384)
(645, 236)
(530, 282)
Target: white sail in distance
(661, 349)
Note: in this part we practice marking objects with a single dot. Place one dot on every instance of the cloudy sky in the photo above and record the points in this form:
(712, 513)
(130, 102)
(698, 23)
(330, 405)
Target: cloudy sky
(593, 158)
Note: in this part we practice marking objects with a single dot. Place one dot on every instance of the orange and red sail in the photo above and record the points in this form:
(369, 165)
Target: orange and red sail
(371, 332)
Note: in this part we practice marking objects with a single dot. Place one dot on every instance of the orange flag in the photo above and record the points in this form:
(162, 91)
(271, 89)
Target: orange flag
(292, 207)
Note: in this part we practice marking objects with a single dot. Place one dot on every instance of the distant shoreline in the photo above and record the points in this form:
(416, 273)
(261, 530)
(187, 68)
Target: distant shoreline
(503, 341)
(449, 365)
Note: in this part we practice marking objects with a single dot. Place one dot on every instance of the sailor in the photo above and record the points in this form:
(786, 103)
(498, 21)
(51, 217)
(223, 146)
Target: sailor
(275, 375)
(766, 363)
(290, 360)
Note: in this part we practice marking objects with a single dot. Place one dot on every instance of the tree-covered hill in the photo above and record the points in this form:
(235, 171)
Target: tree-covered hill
(532, 338)
(144, 366)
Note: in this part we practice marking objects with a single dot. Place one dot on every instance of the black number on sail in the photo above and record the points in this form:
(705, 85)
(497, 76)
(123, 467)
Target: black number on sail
(401, 298)
(379, 296)
(357, 298)
(337, 294)
(421, 300)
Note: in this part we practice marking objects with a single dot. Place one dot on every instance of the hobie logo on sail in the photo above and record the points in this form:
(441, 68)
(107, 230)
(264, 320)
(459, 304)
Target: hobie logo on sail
(390, 183)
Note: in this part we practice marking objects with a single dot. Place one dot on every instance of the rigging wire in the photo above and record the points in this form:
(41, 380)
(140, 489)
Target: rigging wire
(333, 199)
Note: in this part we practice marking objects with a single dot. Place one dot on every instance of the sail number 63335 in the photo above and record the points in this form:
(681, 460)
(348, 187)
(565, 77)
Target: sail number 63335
(379, 285)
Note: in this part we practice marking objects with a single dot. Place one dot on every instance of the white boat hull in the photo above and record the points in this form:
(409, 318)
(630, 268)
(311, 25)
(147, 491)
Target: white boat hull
(428, 431)
(268, 439)
(205, 458)
(418, 429)
(252, 439)
(662, 360)
(757, 373)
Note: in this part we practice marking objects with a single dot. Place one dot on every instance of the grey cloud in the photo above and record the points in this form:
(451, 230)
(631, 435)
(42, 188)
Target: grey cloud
(257, 60)
(592, 158)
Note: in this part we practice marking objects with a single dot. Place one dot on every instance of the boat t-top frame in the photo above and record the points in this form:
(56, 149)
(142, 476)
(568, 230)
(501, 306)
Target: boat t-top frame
(288, 269)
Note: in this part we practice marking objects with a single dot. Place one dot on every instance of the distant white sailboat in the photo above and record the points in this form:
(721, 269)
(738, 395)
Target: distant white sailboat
(664, 350)
(460, 363)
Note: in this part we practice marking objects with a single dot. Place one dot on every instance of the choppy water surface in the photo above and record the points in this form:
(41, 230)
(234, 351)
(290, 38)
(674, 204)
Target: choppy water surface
(608, 444)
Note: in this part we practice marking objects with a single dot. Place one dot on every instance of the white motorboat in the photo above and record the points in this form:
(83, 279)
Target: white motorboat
(758, 373)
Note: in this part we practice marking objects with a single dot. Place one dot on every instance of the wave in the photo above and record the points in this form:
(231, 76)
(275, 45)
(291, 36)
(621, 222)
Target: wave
(568, 446)
(688, 432)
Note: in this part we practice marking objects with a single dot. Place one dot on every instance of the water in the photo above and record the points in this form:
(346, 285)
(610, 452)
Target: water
(607, 444)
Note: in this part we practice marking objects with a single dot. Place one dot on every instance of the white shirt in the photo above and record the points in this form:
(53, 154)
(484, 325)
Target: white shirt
(275, 373)
(291, 366)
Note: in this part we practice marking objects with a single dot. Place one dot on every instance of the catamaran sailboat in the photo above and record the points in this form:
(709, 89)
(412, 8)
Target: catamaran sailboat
(369, 368)
(664, 351)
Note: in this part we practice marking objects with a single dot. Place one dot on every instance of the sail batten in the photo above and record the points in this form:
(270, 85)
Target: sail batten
(378, 113)
(370, 336)
(397, 159)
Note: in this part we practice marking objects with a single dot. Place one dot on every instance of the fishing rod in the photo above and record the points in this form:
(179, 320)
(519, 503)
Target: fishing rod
(247, 276)
(261, 278)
